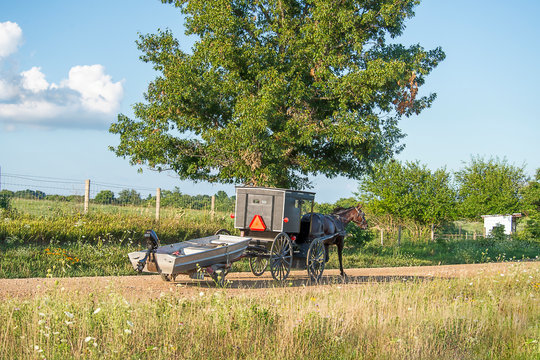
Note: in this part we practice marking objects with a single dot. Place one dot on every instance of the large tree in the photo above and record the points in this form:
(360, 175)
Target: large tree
(275, 90)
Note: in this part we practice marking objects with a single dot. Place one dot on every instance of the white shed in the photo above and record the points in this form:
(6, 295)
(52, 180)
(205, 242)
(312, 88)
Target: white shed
(508, 221)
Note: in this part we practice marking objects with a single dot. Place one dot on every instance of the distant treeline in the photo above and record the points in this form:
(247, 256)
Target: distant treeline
(169, 198)
(39, 195)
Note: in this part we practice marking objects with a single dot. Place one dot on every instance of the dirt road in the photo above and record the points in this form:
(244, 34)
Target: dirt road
(150, 286)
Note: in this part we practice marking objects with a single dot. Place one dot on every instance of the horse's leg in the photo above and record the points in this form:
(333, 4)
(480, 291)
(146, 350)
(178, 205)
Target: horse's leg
(340, 243)
(327, 254)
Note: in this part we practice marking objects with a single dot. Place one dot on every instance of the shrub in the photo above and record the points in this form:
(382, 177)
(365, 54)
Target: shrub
(5, 202)
(357, 236)
(497, 233)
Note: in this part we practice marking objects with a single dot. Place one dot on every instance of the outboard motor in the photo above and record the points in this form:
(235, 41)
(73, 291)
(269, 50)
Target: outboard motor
(152, 240)
(152, 243)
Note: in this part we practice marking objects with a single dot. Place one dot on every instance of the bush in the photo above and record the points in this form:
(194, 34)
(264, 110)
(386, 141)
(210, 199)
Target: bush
(497, 233)
(5, 202)
(358, 237)
(531, 229)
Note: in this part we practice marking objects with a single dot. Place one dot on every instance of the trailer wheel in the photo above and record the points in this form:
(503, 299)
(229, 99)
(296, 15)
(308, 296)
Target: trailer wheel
(167, 277)
(316, 257)
(281, 255)
(258, 265)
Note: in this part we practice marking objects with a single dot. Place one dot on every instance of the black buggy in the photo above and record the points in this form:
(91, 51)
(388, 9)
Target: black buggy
(281, 236)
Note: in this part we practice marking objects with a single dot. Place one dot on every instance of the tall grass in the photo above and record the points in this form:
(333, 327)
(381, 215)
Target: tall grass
(37, 247)
(488, 317)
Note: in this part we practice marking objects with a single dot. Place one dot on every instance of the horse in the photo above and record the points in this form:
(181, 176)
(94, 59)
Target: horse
(322, 225)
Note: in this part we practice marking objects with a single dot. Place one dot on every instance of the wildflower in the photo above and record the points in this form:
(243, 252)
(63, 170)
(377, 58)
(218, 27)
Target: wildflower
(201, 293)
(97, 311)
(41, 314)
(127, 331)
(87, 339)
(69, 315)
(129, 323)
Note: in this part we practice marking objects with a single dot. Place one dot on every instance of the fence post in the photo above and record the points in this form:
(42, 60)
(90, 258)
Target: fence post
(213, 207)
(399, 236)
(432, 232)
(86, 195)
(158, 202)
(474, 235)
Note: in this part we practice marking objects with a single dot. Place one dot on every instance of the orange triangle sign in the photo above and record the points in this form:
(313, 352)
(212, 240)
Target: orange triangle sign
(257, 223)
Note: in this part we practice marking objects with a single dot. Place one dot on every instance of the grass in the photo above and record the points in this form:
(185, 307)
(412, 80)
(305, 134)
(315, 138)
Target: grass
(492, 316)
(51, 209)
(444, 252)
(37, 247)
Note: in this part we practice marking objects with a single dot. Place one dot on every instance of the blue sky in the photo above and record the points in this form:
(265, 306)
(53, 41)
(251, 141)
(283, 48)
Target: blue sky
(67, 68)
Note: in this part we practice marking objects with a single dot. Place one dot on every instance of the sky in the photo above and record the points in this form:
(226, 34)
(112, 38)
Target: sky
(68, 68)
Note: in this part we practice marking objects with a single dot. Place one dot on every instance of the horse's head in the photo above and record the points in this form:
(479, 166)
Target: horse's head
(353, 214)
(359, 217)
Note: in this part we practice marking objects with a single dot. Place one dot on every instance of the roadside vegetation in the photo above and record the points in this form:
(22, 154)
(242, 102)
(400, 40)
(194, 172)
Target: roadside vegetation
(403, 203)
(489, 316)
(98, 244)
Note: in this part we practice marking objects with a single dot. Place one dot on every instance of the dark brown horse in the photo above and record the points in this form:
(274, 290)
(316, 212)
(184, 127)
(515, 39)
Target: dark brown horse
(323, 225)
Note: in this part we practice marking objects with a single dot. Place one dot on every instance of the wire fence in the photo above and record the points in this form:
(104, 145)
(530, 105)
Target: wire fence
(52, 197)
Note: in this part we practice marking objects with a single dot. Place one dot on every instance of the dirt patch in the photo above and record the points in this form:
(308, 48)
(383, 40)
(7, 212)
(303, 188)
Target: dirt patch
(151, 286)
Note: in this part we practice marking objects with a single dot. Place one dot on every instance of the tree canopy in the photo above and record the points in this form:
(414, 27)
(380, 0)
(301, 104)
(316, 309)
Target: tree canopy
(276, 90)
(488, 187)
(409, 192)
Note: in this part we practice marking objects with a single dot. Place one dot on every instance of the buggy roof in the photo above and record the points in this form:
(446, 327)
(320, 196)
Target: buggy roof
(299, 194)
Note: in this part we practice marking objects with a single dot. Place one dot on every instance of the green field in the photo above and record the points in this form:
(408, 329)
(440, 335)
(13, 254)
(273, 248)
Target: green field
(97, 244)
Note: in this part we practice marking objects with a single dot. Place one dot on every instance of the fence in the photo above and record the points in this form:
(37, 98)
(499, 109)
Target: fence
(400, 233)
(50, 197)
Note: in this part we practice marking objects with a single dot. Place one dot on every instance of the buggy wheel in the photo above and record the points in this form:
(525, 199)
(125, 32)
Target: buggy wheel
(281, 255)
(223, 232)
(258, 265)
(316, 257)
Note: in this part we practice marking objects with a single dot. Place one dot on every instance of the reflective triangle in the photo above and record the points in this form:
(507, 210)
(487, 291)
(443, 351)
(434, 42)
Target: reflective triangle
(257, 223)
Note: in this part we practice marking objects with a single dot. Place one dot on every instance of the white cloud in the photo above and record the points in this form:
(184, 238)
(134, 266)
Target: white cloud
(88, 98)
(10, 38)
(7, 90)
(98, 92)
(30, 110)
(34, 80)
